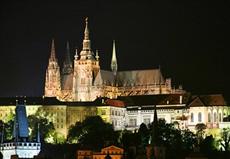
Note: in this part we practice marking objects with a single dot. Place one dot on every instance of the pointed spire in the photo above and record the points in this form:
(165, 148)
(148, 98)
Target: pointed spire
(97, 56)
(155, 128)
(86, 52)
(114, 60)
(53, 56)
(86, 37)
(86, 41)
(76, 54)
(67, 66)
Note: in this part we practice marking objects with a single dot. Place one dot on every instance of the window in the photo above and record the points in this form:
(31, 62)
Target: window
(199, 117)
(220, 117)
(209, 117)
(192, 117)
(215, 117)
(132, 122)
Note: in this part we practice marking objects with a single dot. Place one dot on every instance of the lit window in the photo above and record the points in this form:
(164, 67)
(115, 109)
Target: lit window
(192, 118)
(209, 117)
(215, 117)
(199, 117)
(220, 117)
(132, 122)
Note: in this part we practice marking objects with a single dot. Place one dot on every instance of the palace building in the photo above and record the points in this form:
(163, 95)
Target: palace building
(84, 80)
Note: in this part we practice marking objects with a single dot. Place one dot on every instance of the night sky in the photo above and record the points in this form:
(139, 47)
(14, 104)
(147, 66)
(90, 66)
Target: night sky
(189, 40)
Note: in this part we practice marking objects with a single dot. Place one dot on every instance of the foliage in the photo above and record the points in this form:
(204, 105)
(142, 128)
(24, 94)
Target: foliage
(200, 131)
(129, 138)
(208, 145)
(7, 124)
(169, 136)
(93, 133)
(177, 142)
(189, 139)
(46, 128)
(226, 119)
(225, 138)
(144, 135)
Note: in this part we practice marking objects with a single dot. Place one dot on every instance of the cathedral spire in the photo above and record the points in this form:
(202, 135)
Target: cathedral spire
(114, 60)
(52, 81)
(67, 65)
(86, 37)
(53, 56)
(86, 41)
(86, 52)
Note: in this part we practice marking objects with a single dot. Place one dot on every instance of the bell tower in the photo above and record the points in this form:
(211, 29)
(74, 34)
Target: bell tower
(52, 82)
(86, 67)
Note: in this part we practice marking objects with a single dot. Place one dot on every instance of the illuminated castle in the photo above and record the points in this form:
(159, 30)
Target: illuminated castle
(85, 80)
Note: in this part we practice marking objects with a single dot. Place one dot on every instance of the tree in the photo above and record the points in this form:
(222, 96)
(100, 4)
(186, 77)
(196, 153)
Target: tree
(46, 128)
(189, 140)
(93, 133)
(200, 131)
(208, 145)
(225, 138)
(144, 135)
(169, 135)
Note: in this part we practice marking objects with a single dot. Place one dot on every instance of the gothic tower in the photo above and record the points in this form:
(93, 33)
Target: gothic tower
(86, 67)
(67, 76)
(52, 82)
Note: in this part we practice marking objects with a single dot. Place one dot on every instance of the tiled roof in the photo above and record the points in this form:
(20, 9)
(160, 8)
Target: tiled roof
(161, 99)
(207, 100)
(139, 77)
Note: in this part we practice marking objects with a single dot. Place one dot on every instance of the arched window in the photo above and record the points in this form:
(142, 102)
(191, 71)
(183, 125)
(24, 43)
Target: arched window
(192, 117)
(199, 117)
(209, 117)
(215, 117)
(220, 117)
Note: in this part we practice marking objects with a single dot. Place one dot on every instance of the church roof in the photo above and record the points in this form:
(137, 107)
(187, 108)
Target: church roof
(130, 78)
(104, 77)
(139, 77)
(161, 99)
(112, 148)
(207, 100)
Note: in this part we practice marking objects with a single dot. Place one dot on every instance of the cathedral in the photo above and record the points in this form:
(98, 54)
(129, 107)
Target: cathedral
(84, 80)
